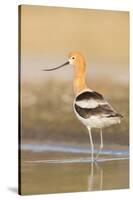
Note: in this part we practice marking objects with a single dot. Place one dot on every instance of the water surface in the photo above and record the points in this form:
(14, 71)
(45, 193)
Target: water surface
(61, 168)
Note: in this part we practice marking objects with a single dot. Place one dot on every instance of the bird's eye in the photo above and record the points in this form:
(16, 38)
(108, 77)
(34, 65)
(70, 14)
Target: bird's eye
(73, 58)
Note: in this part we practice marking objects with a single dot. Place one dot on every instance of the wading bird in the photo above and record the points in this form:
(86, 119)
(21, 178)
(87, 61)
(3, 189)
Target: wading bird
(90, 106)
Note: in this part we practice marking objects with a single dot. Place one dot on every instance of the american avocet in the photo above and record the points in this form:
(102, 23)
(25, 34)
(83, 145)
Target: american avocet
(90, 106)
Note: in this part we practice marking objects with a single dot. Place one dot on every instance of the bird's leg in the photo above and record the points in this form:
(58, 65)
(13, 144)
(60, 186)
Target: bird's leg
(101, 145)
(91, 142)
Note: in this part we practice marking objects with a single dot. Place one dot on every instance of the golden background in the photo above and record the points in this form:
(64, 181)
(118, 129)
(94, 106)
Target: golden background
(48, 34)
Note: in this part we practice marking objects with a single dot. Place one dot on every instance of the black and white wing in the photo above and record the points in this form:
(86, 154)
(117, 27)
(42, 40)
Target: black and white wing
(90, 103)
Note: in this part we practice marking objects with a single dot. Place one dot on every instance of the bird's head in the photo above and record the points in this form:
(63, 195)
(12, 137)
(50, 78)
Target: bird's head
(75, 59)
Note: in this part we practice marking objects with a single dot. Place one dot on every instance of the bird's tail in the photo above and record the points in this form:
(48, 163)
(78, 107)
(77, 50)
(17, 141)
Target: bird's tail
(119, 115)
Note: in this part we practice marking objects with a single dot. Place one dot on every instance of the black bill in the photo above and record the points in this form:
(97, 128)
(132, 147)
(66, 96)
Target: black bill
(66, 63)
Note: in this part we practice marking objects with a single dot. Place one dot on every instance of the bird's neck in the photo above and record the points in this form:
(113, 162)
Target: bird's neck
(79, 82)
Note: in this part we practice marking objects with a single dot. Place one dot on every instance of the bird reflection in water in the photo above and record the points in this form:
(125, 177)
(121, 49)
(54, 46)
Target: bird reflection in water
(96, 182)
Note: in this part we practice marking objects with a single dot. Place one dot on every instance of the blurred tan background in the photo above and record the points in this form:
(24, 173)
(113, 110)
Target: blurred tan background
(47, 36)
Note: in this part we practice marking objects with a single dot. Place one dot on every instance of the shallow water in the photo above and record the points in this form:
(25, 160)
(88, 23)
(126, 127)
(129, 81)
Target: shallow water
(45, 171)
(72, 149)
